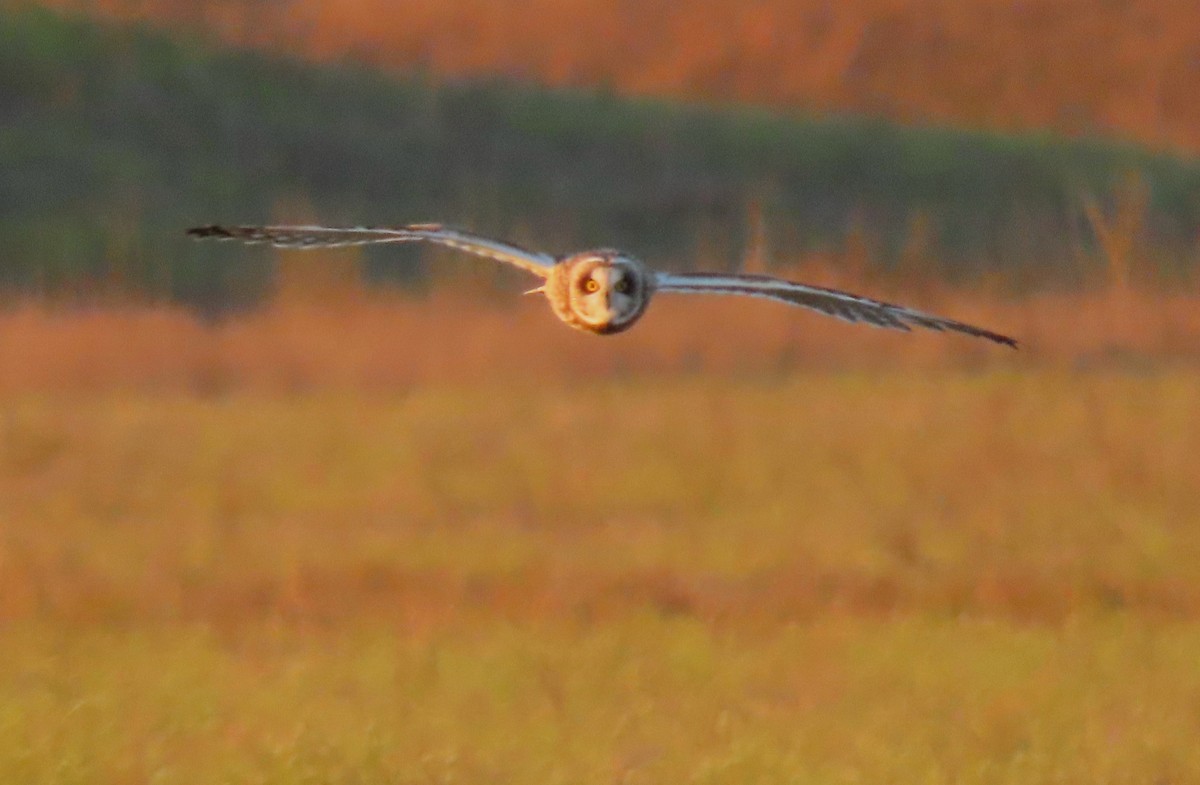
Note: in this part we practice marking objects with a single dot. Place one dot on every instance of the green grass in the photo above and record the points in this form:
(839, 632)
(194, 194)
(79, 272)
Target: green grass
(841, 578)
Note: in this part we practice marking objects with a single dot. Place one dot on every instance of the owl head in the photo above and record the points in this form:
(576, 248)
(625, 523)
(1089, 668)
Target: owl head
(599, 291)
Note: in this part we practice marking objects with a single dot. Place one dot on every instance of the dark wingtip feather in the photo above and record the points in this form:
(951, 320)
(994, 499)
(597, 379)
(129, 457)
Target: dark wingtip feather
(1011, 343)
(200, 232)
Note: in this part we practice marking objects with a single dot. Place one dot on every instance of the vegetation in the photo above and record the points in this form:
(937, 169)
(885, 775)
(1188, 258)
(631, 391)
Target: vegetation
(1125, 69)
(967, 578)
(115, 138)
(375, 342)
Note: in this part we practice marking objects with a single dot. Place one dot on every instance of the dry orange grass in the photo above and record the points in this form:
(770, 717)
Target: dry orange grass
(393, 540)
(1031, 496)
(388, 341)
(361, 350)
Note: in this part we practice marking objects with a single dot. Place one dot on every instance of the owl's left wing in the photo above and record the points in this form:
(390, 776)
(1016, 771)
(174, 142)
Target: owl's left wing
(831, 302)
(326, 237)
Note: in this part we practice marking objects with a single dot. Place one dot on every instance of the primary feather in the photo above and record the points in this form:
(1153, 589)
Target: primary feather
(327, 237)
(832, 302)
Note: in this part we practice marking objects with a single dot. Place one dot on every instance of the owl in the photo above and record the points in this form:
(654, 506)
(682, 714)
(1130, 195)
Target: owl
(606, 291)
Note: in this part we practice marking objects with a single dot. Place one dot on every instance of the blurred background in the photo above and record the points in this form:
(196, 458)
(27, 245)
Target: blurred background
(1012, 151)
(356, 516)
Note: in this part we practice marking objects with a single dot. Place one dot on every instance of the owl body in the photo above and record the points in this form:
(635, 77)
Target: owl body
(601, 291)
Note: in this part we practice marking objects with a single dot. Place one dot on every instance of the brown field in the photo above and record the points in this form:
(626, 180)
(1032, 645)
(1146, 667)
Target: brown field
(1126, 69)
(325, 332)
(427, 540)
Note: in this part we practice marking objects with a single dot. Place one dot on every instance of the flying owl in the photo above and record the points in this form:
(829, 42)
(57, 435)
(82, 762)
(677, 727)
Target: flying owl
(605, 291)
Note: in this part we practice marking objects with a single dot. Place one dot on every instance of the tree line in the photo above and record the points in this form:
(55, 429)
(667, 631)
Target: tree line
(115, 137)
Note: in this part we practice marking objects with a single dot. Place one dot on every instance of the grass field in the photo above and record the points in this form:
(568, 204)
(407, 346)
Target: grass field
(980, 574)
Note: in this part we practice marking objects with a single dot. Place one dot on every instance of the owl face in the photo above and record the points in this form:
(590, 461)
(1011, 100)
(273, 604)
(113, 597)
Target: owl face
(603, 292)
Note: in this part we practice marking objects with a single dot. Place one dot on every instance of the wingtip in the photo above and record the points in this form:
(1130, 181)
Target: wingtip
(212, 230)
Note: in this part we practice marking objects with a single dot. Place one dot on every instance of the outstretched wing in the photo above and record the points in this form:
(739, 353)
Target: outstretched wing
(323, 237)
(843, 305)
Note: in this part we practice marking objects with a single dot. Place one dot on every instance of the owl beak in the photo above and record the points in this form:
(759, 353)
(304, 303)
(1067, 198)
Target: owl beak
(540, 290)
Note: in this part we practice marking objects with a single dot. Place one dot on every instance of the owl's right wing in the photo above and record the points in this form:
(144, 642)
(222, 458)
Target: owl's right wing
(832, 302)
(325, 237)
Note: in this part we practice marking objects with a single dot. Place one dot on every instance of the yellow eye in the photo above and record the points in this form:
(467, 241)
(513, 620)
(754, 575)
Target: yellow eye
(591, 285)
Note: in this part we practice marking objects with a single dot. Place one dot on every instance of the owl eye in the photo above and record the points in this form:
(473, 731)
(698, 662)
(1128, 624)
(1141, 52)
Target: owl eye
(591, 285)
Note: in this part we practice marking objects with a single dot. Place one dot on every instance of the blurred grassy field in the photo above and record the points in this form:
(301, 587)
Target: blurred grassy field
(957, 575)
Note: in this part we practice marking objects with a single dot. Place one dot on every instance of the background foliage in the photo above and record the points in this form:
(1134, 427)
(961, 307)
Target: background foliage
(1120, 68)
(116, 137)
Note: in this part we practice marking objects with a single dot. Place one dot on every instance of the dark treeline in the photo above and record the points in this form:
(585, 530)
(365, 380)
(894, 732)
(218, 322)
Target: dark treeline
(114, 139)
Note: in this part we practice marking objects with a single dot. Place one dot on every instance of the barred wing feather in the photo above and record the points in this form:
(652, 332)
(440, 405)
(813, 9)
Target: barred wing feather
(831, 302)
(326, 237)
